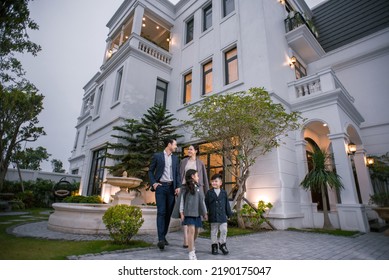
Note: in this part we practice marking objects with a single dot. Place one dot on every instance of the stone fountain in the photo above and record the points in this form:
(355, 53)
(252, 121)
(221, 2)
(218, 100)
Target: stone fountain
(86, 218)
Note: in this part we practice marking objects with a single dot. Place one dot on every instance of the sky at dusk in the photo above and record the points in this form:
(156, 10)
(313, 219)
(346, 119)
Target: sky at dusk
(72, 34)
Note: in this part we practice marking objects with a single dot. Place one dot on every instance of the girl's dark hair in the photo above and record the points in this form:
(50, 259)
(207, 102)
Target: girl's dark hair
(189, 183)
(196, 148)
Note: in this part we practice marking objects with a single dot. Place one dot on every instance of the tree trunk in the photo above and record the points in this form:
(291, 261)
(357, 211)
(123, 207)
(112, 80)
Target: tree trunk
(3, 172)
(20, 177)
(327, 223)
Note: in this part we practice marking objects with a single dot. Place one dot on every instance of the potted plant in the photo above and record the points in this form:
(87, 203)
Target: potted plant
(319, 178)
(379, 173)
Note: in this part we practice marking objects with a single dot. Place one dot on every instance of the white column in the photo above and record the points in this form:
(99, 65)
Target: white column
(344, 168)
(363, 176)
(302, 167)
(138, 19)
(352, 215)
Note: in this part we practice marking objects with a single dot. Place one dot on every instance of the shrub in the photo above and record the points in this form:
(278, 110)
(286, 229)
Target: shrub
(27, 197)
(254, 217)
(123, 222)
(83, 199)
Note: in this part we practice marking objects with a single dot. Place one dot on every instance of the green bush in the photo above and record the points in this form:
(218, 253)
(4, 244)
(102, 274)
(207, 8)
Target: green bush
(27, 198)
(123, 222)
(83, 199)
(16, 205)
(254, 217)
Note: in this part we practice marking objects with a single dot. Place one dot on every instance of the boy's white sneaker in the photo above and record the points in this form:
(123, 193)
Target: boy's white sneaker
(192, 255)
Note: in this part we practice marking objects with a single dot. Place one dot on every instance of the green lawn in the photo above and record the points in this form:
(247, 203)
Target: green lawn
(337, 232)
(232, 231)
(26, 248)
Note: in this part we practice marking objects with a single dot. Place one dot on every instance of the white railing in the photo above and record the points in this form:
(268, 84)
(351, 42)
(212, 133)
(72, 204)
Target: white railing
(154, 51)
(321, 83)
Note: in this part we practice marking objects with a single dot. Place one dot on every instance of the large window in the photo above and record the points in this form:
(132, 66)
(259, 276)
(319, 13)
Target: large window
(228, 7)
(155, 32)
(96, 175)
(189, 30)
(216, 164)
(207, 77)
(231, 65)
(161, 93)
(121, 37)
(207, 17)
(187, 87)
(119, 77)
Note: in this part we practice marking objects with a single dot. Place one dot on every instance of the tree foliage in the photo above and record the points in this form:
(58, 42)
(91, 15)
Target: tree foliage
(20, 102)
(321, 176)
(57, 166)
(242, 126)
(31, 158)
(138, 140)
(15, 23)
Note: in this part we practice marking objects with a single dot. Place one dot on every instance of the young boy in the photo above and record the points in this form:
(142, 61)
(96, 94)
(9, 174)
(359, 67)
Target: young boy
(219, 209)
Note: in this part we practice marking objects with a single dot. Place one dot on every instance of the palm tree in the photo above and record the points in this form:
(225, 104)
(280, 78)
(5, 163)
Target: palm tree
(319, 178)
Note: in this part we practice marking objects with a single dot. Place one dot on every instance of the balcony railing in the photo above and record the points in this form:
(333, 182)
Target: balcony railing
(154, 51)
(316, 85)
(295, 19)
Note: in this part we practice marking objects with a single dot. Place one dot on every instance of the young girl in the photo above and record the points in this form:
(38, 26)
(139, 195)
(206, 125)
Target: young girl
(192, 207)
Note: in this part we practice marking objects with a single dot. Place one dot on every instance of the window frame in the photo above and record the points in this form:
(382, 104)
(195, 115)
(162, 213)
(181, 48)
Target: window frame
(185, 83)
(206, 10)
(204, 75)
(224, 11)
(118, 82)
(98, 99)
(187, 38)
(227, 62)
(157, 87)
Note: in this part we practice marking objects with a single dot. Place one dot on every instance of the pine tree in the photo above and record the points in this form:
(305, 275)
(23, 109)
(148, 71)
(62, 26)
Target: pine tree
(139, 140)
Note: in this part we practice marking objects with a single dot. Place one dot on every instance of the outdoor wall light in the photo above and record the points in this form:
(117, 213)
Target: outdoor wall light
(281, 2)
(352, 148)
(369, 161)
(292, 61)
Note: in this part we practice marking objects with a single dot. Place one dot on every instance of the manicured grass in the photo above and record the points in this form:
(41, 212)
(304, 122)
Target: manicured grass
(337, 232)
(232, 231)
(25, 248)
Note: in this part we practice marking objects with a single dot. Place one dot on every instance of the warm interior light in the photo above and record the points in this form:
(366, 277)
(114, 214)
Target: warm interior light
(292, 60)
(324, 124)
(157, 27)
(281, 2)
(370, 161)
(144, 18)
(144, 25)
(168, 39)
(352, 148)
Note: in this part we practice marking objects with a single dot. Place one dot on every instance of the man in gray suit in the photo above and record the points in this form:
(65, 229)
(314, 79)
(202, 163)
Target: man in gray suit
(164, 175)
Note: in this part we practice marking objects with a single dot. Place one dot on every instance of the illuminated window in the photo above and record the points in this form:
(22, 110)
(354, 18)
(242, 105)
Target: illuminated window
(187, 87)
(231, 66)
(207, 77)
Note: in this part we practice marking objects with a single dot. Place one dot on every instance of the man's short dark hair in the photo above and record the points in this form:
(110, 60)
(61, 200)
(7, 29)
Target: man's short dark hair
(168, 141)
(217, 176)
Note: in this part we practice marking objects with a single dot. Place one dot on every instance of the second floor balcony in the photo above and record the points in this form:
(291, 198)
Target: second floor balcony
(301, 36)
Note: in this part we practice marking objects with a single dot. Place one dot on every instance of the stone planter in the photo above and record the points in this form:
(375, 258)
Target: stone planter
(383, 212)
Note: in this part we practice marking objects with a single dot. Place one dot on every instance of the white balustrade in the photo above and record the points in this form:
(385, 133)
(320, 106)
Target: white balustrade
(153, 51)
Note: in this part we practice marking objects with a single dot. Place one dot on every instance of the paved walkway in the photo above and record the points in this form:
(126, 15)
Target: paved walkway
(272, 245)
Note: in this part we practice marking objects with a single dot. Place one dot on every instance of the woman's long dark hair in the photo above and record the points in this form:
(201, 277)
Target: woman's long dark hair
(190, 184)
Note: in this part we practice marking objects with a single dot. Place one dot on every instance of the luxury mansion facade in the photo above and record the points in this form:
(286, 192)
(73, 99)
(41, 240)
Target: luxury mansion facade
(330, 63)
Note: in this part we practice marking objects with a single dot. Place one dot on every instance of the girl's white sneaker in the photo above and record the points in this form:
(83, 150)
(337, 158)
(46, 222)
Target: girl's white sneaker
(192, 255)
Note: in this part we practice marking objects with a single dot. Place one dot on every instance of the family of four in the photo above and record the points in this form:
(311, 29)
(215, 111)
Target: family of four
(188, 182)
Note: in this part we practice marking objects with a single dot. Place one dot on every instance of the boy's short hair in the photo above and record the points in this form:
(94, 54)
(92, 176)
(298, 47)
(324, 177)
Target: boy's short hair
(217, 176)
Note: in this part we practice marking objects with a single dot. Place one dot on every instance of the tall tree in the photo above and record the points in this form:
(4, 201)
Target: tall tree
(321, 176)
(31, 158)
(57, 166)
(15, 23)
(139, 140)
(241, 126)
(20, 102)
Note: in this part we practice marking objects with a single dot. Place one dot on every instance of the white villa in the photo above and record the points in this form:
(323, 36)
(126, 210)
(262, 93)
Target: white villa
(331, 63)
